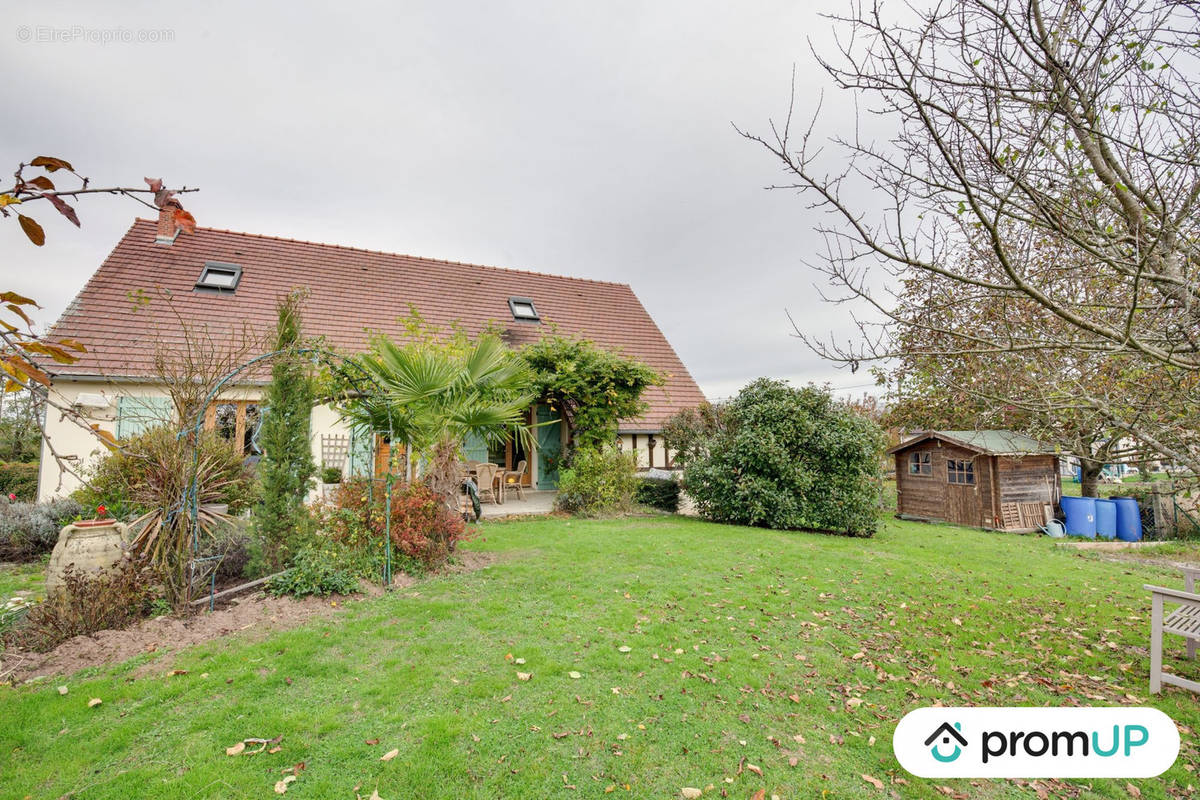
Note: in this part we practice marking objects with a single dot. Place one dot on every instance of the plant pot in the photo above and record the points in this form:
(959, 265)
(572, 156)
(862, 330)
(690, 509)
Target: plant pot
(92, 545)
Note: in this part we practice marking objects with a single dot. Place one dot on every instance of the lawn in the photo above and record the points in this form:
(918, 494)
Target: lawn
(745, 647)
(29, 577)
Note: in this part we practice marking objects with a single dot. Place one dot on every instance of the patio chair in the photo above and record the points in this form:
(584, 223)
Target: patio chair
(485, 475)
(1183, 621)
(512, 479)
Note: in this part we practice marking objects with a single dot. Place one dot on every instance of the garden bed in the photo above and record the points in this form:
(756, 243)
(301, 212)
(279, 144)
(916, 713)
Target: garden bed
(250, 616)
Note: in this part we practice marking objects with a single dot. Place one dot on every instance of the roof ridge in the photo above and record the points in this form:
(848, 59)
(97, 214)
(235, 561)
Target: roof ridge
(353, 249)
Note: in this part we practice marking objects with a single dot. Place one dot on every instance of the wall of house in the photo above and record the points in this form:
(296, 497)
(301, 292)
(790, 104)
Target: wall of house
(80, 448)
(657, 456)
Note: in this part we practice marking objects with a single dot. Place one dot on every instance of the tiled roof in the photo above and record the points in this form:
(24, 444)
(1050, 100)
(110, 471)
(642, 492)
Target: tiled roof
(353, 291)
(992, 442)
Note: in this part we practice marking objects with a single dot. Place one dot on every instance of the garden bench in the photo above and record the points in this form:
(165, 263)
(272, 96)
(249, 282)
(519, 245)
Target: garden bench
(1183, 621)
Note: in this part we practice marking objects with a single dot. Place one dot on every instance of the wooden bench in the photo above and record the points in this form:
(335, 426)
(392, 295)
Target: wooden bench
(1183, 621)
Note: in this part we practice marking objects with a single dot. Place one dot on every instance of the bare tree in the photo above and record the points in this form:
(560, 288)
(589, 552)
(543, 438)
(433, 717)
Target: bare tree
(1016, 123)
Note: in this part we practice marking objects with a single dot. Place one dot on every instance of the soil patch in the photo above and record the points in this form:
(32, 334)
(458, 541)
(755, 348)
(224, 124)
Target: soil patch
(251, 616)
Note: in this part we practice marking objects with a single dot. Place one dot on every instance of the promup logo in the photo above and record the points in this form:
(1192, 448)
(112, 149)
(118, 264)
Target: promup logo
(1036, 742)
(946, 732)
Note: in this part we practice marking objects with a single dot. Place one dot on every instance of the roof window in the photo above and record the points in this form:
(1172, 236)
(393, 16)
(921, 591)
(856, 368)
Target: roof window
(219, 277)
(522, 308)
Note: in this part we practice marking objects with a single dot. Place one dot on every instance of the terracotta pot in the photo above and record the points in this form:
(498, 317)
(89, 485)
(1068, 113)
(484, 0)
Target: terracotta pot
(90, 545)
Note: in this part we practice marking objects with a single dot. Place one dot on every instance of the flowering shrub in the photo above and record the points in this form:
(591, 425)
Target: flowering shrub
(423, 531)
(321, 570)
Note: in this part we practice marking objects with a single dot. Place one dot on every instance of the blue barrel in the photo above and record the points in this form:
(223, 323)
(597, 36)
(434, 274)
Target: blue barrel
(1080, 513)
(1129, 519)
(1106, 519)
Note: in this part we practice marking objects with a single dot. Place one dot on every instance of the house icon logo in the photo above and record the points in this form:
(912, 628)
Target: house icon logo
(945, 733)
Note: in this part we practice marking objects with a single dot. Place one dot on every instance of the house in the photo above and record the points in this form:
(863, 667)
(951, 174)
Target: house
(986, 479)
(223, 280)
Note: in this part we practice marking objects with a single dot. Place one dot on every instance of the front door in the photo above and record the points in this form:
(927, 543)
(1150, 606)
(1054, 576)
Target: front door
(549, 442)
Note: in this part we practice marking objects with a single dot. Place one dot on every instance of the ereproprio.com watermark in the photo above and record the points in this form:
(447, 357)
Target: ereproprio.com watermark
(74, 34)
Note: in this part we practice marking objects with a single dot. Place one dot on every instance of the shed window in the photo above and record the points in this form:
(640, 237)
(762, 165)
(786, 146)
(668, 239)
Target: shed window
(218, 277)
(522, 308)
(920, 464)
(960, 472)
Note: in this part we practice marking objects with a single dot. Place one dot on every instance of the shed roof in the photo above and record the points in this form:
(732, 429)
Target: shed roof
(992, 442)
(353, 293)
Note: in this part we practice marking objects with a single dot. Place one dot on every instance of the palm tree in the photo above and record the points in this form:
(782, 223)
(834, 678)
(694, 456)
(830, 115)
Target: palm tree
(433, 396)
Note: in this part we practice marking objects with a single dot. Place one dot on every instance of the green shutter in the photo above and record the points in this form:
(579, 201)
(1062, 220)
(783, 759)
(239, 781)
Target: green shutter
(475, 448)
(138, 414)
(362, 453)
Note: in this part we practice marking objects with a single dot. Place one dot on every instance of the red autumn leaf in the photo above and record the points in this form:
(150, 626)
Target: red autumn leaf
(51, 163)
(63, 208)
(32, 230)
(42, 182)
(185, 220)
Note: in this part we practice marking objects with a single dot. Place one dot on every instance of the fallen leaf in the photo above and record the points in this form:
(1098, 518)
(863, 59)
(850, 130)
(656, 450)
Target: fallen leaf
(236, 749)
(375, 795)
(755, 769)
(573, 674)
(524, 676)
(63, 690)
(371, 742)
(878, 784)
(519, 661)
(390, 754)
(274, 749)
(690, 792)
(95, 701)
(282, 786)
(624, 648)
(1133, 790)
(854, 702)
(761, 794)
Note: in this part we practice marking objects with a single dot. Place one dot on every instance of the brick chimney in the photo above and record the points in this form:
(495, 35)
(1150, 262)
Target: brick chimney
(167, 228)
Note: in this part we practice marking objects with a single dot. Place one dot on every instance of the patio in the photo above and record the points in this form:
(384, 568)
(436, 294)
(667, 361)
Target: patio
(535, 502)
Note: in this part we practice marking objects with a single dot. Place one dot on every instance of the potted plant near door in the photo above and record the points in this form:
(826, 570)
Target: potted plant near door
(330, 478)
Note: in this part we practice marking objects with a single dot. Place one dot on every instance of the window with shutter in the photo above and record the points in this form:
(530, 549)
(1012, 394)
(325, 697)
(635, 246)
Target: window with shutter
(139, 414)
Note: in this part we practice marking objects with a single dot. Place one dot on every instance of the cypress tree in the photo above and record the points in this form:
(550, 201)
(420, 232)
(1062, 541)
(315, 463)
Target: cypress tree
(286, 469)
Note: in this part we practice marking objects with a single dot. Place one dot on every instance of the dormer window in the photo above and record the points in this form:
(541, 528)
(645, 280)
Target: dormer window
(219, 277)
(522, 309)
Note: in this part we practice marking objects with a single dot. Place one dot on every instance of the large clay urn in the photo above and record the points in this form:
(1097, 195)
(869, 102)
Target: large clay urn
(92, 546)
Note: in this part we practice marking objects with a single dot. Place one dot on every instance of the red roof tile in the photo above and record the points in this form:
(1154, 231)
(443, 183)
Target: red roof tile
(353, 291)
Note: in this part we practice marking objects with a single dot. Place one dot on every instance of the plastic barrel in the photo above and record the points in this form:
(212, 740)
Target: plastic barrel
(1129, 519)
(1080, 513)
(1106, 519)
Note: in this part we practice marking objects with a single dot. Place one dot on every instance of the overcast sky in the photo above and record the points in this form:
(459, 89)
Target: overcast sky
(576, 138)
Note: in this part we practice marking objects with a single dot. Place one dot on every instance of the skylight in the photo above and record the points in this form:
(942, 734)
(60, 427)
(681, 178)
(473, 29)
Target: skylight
(219, 277)
(523, 309)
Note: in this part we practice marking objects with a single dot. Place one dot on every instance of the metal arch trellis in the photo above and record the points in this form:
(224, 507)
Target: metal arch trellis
(190, 502)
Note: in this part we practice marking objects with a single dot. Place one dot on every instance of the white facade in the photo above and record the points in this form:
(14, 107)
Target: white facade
(100, 403)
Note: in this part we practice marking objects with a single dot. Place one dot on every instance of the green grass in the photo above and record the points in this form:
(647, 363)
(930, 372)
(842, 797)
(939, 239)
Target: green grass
(740, 640)
(29, 577)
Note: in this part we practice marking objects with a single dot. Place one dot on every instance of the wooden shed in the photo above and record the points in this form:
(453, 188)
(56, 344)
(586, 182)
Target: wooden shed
(987, 479)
